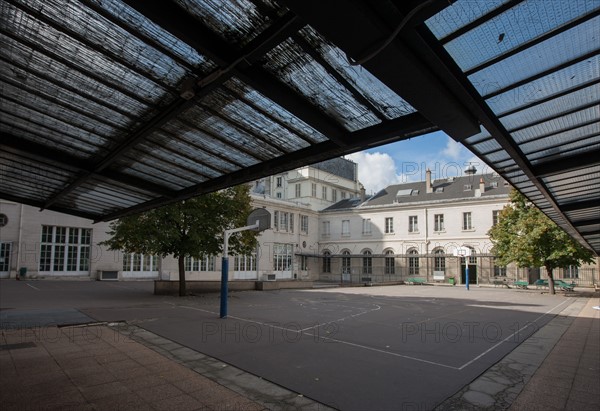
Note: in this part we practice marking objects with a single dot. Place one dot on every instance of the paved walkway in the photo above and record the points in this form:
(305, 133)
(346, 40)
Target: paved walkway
(558, 368)
(118, 367)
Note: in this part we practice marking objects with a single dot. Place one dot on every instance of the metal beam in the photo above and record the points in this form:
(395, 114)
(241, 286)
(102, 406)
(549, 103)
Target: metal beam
(45, 154)
(39, 204)
(355, 28)
(581, 205)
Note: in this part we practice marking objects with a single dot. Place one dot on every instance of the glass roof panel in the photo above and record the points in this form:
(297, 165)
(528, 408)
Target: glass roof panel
(251, 96)
(552, 108)
(459, 14)
(75, 137)
(516, 26)
(390, 104)
(110, 38)
(212, 144)
(24, 60)
(161, 173)
(563, 48)
(149, 174)
(289, 63)
(244, 116)
(589, 115)
(228, 132)
(557, 140)
(566, 150)
(237, 21)
(546, 86)
(56, 43)
(140, 23)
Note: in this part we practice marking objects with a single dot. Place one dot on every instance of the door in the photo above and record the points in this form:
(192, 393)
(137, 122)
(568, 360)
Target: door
(472, 270)
(5, 259)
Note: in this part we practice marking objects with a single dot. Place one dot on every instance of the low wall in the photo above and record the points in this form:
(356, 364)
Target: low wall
(162, 287)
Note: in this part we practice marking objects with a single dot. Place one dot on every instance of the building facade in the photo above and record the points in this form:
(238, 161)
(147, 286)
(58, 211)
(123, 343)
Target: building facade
(323, 228)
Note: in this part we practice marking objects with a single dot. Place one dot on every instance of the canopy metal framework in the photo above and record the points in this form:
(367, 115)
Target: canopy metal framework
(112, 107)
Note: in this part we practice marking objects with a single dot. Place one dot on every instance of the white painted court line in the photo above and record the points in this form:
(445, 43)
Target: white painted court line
(35, 288)
(529, 324)
(303, 331)
(378, 350)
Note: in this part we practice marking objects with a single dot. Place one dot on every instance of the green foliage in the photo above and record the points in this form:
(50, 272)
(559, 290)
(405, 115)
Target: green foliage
(190, 228)
(527, 237)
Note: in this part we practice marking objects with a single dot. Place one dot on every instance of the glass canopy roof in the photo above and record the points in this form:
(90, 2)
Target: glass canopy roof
(111, 107)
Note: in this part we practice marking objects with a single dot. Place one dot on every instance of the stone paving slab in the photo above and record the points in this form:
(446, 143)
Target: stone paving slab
(99, 368)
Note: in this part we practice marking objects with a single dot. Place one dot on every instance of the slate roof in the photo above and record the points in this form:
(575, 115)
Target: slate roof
(448, 189)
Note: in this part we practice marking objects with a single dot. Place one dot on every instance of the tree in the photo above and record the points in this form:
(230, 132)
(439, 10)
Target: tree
(526, 236)
(190, 228)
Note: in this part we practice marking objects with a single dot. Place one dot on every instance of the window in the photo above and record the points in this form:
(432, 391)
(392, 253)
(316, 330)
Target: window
(304, 262)
(345, 227)
(495, 215)
(304, 224)
(244, 262)
(278, 182)
(276, 220)
(314, 189)
(367, 263)
(439, 260)
(3, 220)
(467, 221)
(438, 222)
(298, 188)
(413, 224)
(65, 249)
(346, 262)
(390, 266)
(571, 272)
(324, 193)
(284, 221)
(499, 270)
(282, 257)
(334, 195)
(326, 228)
(413, 262)
(206, 263)
(389, 225)
(291, 222)
(139, 262)
(326, 262)
(278, 195)
(494, 184)
(343, 194)
(468, 187)
(366, 226)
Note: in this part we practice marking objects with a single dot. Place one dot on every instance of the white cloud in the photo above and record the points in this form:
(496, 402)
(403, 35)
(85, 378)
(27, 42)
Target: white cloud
(375, 170)
(453, 150)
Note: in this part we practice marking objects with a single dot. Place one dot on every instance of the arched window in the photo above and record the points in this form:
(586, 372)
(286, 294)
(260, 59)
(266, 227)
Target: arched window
(413, 262)
(326, 261)
(439, 260)
(390, 265)
(367, 262)
(346, 262)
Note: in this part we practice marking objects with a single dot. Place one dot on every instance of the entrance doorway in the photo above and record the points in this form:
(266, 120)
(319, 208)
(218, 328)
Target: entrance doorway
(472, 270)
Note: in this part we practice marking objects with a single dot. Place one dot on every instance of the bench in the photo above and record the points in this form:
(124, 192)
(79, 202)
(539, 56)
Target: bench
(564, 285)
(521, 284)
(415, 280)
(498, 282)
(367, 280)
(541, 283)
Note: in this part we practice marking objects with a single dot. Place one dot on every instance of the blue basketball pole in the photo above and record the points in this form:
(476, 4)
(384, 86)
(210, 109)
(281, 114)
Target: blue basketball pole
(467, 271)
(224, 285)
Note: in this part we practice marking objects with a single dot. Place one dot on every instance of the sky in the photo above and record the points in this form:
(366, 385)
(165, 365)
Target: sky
(407, 161)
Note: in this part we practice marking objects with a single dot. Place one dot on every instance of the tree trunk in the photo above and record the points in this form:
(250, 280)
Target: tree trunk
(181, 264)
(550, 280)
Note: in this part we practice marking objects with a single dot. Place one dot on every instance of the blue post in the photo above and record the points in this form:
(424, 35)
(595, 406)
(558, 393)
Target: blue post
(224, 279)
(467, 271)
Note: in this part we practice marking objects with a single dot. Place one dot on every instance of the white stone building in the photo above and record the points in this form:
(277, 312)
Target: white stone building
(323, 229)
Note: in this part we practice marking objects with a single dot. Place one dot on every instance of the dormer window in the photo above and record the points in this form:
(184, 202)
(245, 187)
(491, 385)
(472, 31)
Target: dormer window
(439, 190)
(468, 187)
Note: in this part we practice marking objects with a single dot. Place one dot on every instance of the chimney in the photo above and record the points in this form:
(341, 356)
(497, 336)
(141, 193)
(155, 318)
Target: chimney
(428, 186)
(363, 193)
(481, 185)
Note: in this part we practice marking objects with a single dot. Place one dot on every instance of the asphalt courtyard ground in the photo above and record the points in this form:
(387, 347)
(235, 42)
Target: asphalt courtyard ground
(380, 348)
